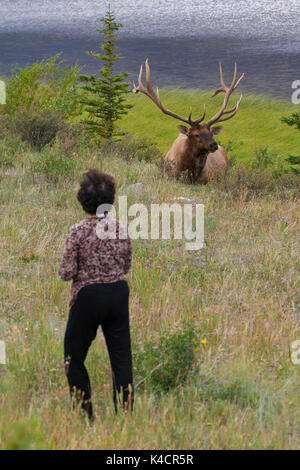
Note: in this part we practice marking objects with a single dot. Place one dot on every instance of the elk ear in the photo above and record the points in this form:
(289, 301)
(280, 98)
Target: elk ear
(184, 130)
(216, 130)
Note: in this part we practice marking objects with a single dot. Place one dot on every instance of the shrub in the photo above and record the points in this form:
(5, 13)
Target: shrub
(293, 120)
(241, 182)
(166, 363)
(51, 164)
(48, 84)
(294, 161)
(131, 148)
(38, 128)
(11, 148)
(5, 126)
(270, 162)
(262, 159)
(72, 138)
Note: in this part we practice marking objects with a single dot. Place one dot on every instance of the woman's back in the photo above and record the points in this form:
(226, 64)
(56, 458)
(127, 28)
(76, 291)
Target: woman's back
(96, 251)
(96, 257)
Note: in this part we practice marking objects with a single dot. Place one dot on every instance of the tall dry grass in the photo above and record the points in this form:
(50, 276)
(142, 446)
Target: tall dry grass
(241, 291)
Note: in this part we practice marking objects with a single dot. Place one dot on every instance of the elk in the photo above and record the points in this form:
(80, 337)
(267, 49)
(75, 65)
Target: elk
(195, 152)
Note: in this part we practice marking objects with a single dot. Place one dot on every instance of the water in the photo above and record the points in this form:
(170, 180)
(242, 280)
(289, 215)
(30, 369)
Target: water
(184, 40)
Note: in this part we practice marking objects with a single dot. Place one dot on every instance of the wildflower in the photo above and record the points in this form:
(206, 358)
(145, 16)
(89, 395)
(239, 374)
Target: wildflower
(203, 341)
(290, 402)
(197, 348)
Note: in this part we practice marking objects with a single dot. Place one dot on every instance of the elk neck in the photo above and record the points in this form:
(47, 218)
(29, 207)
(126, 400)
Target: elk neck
(194, 157)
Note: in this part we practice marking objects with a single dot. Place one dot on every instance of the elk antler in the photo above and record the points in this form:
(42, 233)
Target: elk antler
(227, 91)
(156, 99)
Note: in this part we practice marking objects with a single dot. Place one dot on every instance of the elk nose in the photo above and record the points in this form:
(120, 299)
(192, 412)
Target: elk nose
(213, 146)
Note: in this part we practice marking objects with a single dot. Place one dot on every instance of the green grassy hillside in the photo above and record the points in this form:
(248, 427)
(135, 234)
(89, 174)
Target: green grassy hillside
(240, 294)
(236, 386)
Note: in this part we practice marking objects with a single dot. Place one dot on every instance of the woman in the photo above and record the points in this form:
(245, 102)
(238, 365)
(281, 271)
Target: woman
(99, 293)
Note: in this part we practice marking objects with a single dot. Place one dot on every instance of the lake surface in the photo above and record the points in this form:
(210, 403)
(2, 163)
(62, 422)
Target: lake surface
(184, 40)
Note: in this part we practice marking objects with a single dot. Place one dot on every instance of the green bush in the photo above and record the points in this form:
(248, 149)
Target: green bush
(73, 138)
(166, 363)
(241, 182)
(294, 161)
(38, 128)
(6, 157)
(5, 125)
(272, 163)
(11, 148)
(263, 159)
(52, 165)
(131, 148)
(292, 120)
(48, 84)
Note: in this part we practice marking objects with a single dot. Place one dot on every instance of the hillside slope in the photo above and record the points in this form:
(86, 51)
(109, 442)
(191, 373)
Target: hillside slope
(240, 293)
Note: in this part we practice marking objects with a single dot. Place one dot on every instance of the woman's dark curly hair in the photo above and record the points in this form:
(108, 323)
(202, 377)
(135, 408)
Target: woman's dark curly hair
(96, 188)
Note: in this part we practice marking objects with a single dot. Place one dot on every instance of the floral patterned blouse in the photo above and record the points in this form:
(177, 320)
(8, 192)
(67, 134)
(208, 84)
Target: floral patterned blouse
(96, 251)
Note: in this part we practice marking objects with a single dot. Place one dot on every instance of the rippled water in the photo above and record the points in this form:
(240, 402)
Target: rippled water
(279, 18)
(183, 39)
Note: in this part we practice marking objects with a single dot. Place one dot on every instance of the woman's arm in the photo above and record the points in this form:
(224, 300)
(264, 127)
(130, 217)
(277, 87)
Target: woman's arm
(68, 265)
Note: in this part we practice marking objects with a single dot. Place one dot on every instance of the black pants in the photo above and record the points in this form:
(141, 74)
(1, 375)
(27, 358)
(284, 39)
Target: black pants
(105, 305)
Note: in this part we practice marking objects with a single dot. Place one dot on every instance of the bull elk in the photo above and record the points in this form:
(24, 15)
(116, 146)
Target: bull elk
(195, 152)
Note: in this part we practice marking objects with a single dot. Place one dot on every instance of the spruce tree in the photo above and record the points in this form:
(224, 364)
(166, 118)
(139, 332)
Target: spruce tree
(293, 160)
(105, 98)
(293, 120)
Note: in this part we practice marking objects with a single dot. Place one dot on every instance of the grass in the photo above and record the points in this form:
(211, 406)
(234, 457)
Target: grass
(241, 292)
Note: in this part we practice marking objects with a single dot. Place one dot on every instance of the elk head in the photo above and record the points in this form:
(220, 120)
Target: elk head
(200, 136)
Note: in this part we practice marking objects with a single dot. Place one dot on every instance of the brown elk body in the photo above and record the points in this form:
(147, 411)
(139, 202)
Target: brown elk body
(185, 157)
(195, 152)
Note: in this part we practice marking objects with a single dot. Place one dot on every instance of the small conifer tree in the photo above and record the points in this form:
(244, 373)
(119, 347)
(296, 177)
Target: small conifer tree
(293, 120)
(105, 98)
(293, 160)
